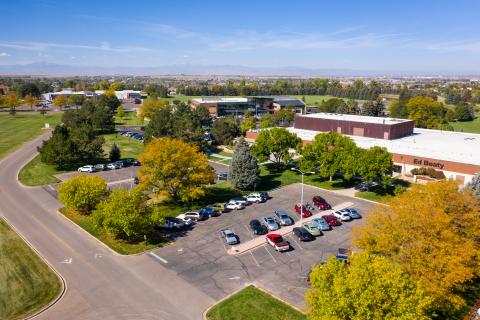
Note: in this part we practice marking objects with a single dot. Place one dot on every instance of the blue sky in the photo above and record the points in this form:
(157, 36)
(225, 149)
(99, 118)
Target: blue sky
(364, 35)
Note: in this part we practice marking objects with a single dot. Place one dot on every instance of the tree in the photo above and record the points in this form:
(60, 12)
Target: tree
(82, 193)
(202, 116)
(114, 154)
(432, 232)
(160, 125)
(30, 100)
(464, 112)
(373, 108)
(474, 185)
(267, 121)
(76, 100)
(397, 109)
(108, 100)
(175, 167)
(244, 172)
(60, 101)
(368, 287)
(28, 89)
(285, 115)
(427, 113)
(331, 105)
(248, 123)
(224, 130)
(120, 112)
(150, 106)
(331, 153)
(275, 142)
(11, 100)
(124, 214)
(374, 163)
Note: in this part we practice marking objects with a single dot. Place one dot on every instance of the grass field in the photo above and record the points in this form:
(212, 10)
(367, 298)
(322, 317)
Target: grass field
(18, 129)
(316, 100)
(130, 118)
(253, 304)
(129, 147)
(467, 126)
(27, 283)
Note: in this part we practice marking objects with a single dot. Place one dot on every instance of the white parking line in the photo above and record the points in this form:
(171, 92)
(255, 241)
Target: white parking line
(270, 254)
(253, 257)
(293, 238)
(158, 257)
(51, 188)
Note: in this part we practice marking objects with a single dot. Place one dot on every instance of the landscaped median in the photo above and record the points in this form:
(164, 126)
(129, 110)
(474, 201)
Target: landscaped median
(253, 304)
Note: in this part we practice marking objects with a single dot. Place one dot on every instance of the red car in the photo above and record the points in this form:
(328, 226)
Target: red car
(321, 203)
(301, 208)
(332, 220)
(277, 242)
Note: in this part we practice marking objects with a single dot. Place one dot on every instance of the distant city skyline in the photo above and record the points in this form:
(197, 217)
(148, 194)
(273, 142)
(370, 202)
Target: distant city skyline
(402, 37)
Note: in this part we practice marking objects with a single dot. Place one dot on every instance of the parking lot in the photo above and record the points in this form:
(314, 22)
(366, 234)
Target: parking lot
(200, 254)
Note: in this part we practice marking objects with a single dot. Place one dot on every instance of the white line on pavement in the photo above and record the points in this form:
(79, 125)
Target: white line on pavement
(270, 254)
(119, 181)
(51, 188)
(256, 262)
(292, 237)
(158, 257)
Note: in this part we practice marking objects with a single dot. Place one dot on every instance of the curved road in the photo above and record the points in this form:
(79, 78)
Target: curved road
(100, 284)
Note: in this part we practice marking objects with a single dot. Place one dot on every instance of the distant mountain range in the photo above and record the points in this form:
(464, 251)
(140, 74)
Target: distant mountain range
(52, 69)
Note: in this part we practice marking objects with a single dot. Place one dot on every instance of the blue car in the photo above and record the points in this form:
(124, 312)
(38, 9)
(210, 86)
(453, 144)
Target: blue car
(209, 212)
(322, 224)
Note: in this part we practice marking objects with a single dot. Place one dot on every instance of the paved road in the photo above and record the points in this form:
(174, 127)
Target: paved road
(100, 284)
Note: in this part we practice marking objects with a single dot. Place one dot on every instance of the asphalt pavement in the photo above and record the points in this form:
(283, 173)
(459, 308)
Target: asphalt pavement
(99, 283)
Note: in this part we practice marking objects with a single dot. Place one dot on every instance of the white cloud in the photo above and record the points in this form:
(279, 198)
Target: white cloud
(44, 46)
(4, 54)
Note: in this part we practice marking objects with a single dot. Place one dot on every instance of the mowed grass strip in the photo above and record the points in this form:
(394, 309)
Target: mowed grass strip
(27, 283)
(467, 126)
(253, 304)
(22, 127)
(37, 173)
(129, 147)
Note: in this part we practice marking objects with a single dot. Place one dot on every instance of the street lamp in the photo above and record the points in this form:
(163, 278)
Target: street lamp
(301, 198)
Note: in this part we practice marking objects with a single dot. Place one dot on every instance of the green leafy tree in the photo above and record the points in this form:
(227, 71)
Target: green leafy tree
(248, 123)
(330, 153)
(120, 112)
(464, 112)
(160, 125)
(373, 108)
(124, 214)
(267, 121)
(368, 287)
(176, 168)
(82, 193)
(224, 130)
(76, 100)
(29, 88)
(115, 153)
(244, 171)
(276, 143)
(397, 109)
(202, 116)
(427, 113)
(373, 164)
(108, 100)
(474, 185)
(285, 115)
(332, 105)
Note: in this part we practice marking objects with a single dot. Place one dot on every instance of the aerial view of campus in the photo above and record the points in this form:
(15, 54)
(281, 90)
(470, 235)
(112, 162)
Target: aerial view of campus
(252, 160)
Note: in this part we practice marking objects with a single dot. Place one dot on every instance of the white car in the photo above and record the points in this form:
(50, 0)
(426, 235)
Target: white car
(88, 168)
(255, 197)
(195, 215)
(111, 166)
(342, 215)
(186, 220)
(234, 205)
(242, 200)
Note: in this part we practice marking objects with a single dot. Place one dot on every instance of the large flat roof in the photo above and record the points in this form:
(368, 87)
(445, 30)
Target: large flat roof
(219, 100)
(435, 144)
(354, 118)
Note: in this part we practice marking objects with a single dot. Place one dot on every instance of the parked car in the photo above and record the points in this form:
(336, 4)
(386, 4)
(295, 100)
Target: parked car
(354, 214)
(111, 166)
(332, 220)
(88, 169)
(171, 224)
(136, 180)
(127, 162)
(229, 237)
(219, 207)
(223, 175)
(234, 205)
(342, 215)
(100, 167)
(242, 200)
(186, 220)
(270, 223)
(255, 197)
(118, 164)
(264, 195)
(195, 215)
(365, 186)
(209, 211)
(321, 203)
(136, 163)
(322, 224)
(277, 242)
(302, 234)
(282, 217)
(257, 228)
(303, 210)
(311, 227)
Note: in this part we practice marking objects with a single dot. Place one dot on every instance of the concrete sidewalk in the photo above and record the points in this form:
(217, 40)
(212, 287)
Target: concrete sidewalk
(260, 240)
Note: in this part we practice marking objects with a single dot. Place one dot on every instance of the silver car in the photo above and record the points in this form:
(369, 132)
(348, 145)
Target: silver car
(353, 213)
(322, 224)
(270, 223)
(282, 217)
(229, 237)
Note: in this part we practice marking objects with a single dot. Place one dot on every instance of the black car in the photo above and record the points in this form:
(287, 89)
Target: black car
(135, 180)
(363, 187)
(209, 212)
(264, 195)
(302, 234)
(257, 227)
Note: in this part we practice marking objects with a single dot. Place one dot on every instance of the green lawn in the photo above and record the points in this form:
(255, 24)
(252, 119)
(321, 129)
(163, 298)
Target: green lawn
(253, 304)
(130, 119)
(373, 196)
(37, 173)
(311, 100)
(129, 147)
(27, 283)
(22, 127)
(467, 126)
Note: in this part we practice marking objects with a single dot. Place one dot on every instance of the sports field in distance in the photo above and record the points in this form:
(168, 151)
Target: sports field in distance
(27, 283)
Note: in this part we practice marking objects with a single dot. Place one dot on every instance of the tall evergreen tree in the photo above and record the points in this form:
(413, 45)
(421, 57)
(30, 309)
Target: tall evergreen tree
(114, 154)
(244, 171)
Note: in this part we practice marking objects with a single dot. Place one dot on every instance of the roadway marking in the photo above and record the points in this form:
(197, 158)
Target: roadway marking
(158, 257)
(234, 278)
(269, 254)
(67, 261)
(119, 181)
(98, 256)
(293, 238)
(256, 262)
(51, 188)
(180, 250)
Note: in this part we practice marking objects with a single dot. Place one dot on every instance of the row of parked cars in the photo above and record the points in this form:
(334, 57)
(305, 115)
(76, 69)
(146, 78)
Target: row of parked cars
(131, 134)
(110, 166)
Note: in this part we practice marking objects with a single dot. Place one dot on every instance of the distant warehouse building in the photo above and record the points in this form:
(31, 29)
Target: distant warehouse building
(238, 106)
(457, 154)
(121, 95)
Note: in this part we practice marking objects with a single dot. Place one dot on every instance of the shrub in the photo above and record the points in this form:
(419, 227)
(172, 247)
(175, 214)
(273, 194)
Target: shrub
(82, 193)
(429, 172)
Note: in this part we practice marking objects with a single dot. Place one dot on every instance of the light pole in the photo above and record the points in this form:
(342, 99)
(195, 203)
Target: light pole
(301, 197)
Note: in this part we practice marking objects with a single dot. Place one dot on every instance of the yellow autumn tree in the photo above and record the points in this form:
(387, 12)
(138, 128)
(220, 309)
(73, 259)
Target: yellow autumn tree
(60, 101)
(150, 106)
(30, 100)
(175, 167)
(432, 232)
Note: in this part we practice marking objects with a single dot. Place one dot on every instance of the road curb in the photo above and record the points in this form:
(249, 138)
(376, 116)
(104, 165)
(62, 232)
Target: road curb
(57, 273)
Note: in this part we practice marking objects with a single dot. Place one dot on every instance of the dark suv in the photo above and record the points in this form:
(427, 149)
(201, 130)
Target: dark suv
(257, 227)
(302, 234)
